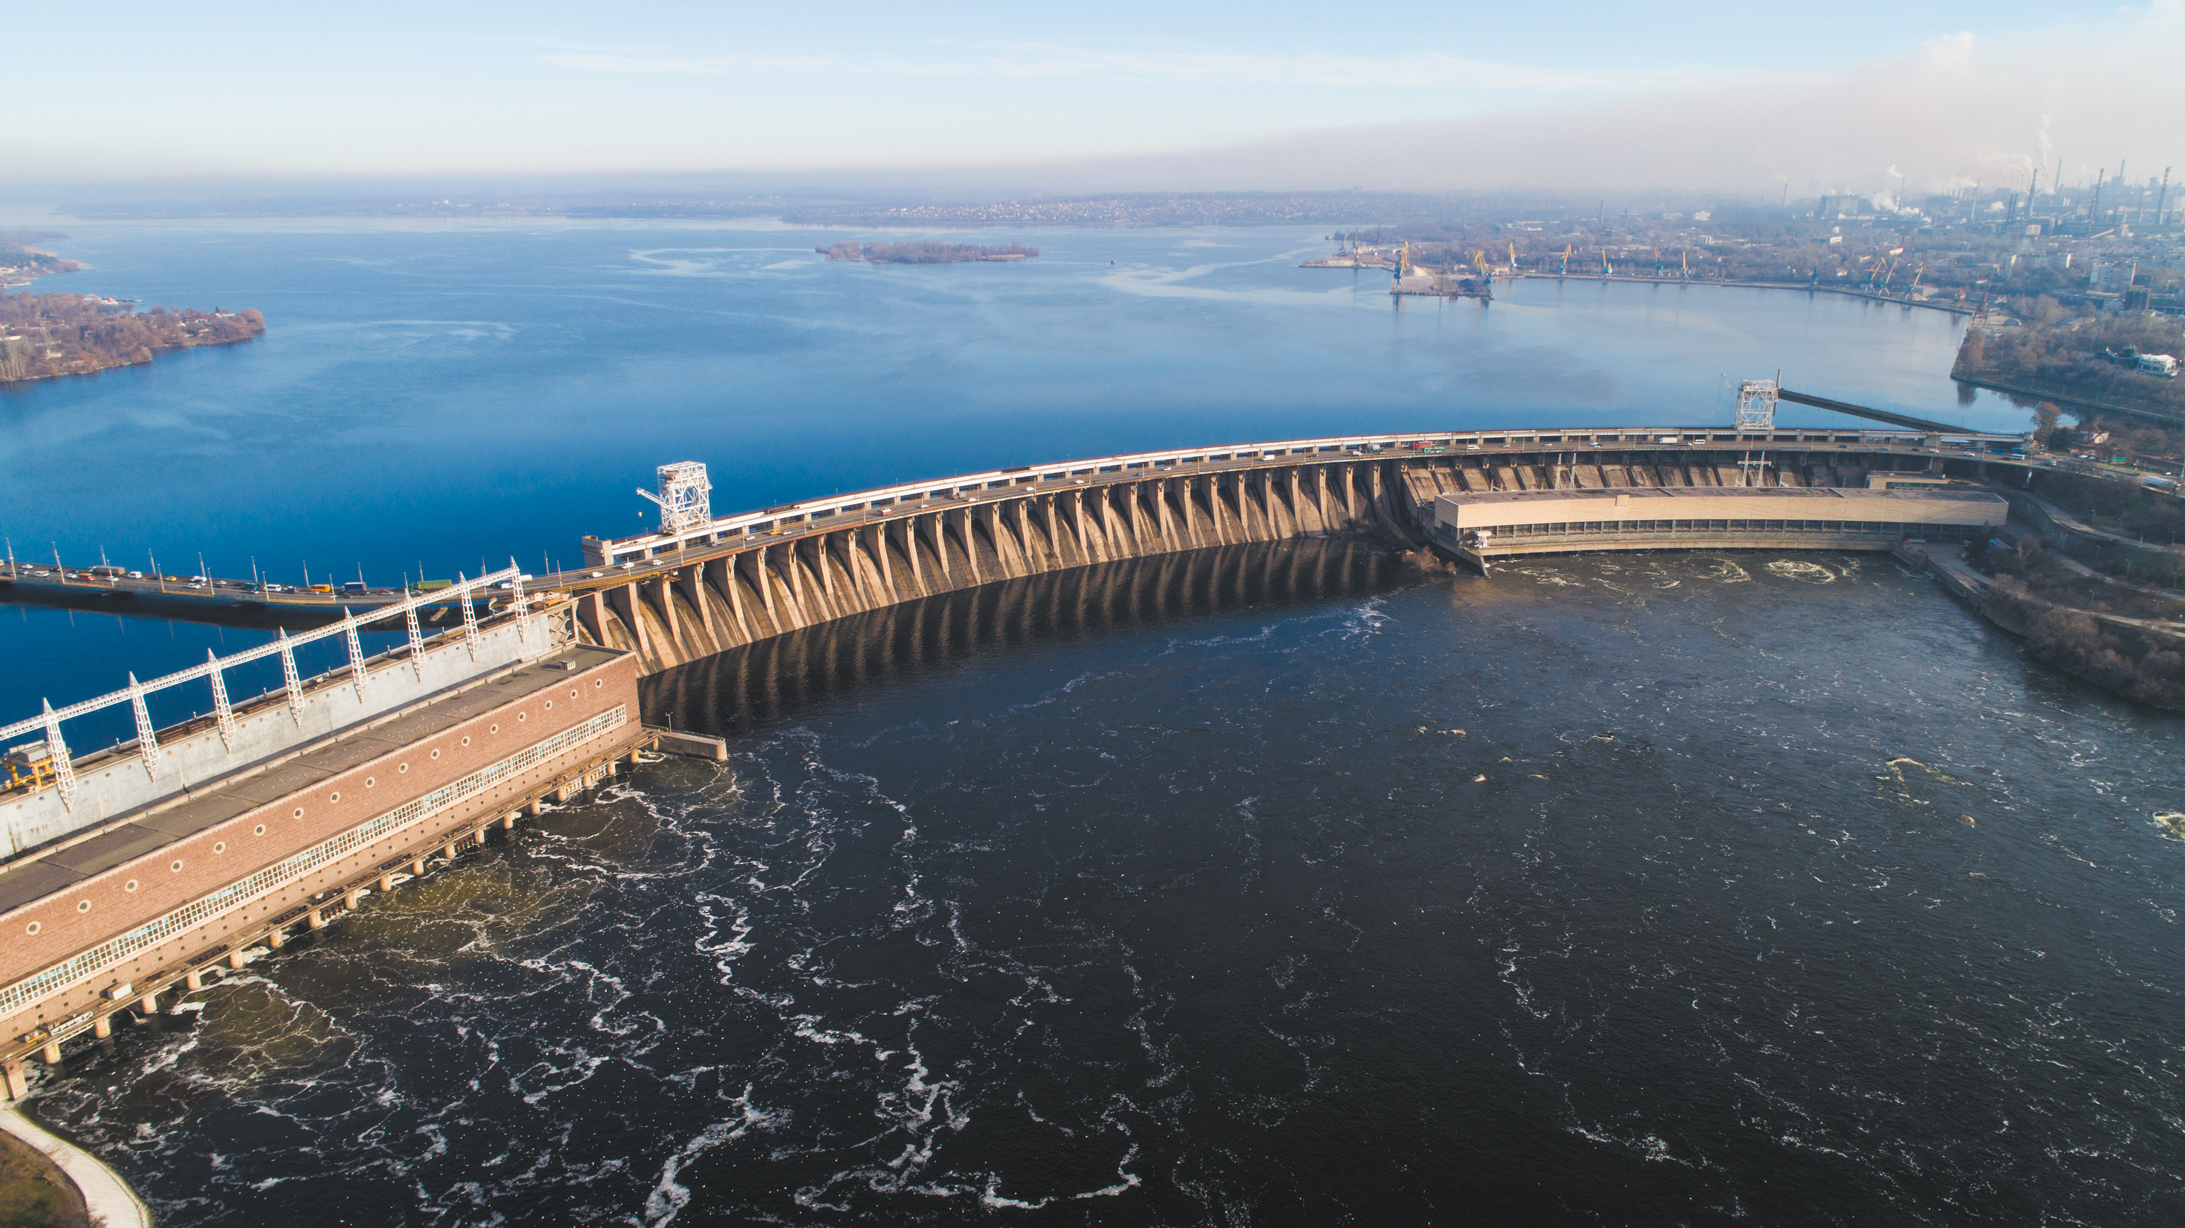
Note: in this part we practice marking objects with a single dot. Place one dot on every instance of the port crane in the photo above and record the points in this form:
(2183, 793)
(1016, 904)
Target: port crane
(1565, 270)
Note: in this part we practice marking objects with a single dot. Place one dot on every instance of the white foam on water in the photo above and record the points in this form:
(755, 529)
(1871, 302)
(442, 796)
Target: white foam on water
(1800, 569)
(668, 1196)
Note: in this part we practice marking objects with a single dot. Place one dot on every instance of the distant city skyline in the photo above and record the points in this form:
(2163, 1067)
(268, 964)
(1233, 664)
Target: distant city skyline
(1858, 96)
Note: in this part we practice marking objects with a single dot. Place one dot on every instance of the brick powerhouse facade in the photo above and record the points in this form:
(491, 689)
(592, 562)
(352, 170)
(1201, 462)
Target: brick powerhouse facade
(251, 823)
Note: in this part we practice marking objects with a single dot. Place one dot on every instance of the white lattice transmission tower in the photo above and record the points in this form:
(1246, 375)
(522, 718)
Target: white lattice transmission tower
(1756, 404)
(684, 497)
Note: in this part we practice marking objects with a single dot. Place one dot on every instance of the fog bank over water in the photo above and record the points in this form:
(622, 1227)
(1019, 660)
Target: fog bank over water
(1963, 109)
(1715, 96)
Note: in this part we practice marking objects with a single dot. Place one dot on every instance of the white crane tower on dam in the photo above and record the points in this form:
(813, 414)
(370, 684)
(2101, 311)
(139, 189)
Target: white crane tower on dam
(684, 498)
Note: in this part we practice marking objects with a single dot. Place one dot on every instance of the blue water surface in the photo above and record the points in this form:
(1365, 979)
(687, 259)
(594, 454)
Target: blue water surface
(433, 398)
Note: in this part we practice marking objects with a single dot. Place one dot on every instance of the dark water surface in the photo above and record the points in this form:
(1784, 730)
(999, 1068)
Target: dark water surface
(1304, 888)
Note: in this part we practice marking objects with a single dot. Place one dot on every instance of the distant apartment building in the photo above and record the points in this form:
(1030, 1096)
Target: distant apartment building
(1841, 206)
(2110, 276)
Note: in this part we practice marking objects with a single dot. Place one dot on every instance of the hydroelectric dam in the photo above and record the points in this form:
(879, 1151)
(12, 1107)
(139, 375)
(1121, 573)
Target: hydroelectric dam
(133, 873)
(705, 585)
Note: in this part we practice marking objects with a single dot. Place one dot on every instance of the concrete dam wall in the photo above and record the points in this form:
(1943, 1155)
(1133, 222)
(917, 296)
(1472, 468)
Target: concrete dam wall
(675, 598)
(738, 597)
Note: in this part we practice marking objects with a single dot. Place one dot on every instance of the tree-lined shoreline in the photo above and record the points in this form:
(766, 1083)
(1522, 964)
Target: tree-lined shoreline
(45, 336)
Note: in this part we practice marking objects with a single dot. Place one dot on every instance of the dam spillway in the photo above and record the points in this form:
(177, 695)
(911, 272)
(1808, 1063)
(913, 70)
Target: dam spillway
(680, 596)
(746, 687)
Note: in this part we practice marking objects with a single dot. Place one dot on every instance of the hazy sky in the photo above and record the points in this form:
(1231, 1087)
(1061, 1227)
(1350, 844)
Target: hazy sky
(1292, 95)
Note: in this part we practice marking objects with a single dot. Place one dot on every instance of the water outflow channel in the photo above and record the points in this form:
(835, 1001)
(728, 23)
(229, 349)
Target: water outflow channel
(1668, 888)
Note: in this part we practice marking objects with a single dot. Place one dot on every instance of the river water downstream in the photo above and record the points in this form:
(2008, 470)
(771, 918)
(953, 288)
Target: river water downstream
(1283, 885)
(1638, 890)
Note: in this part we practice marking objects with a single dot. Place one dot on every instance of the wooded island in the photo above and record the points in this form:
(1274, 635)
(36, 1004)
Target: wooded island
(47, 335)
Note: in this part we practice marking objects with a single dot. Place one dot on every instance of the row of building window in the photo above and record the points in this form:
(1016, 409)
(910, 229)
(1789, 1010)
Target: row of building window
(1876, 528)
(14, 997)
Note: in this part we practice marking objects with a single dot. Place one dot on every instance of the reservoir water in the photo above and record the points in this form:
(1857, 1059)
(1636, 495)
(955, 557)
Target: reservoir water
(442, 398)
(1283, 885)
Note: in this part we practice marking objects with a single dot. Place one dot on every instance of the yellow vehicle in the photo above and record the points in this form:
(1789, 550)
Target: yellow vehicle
(30, 764)
(322, 588)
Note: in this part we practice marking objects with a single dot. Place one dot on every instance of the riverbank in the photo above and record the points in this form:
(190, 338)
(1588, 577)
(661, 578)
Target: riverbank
(85, 1190)
(34, 1192)
(2078, 404)
(2139, 659)
(1951, 307)
(46, 336)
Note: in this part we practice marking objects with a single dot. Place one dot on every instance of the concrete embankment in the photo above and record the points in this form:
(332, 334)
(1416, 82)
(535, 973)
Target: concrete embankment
(107, 1198)
(2135, 658)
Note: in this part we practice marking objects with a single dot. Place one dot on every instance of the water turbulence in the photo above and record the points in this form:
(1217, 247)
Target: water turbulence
(1276, 885)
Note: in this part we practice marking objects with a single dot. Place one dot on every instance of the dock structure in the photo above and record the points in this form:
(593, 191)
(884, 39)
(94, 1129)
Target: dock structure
(1477, 527)
(141, 870)
(1443, 285)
